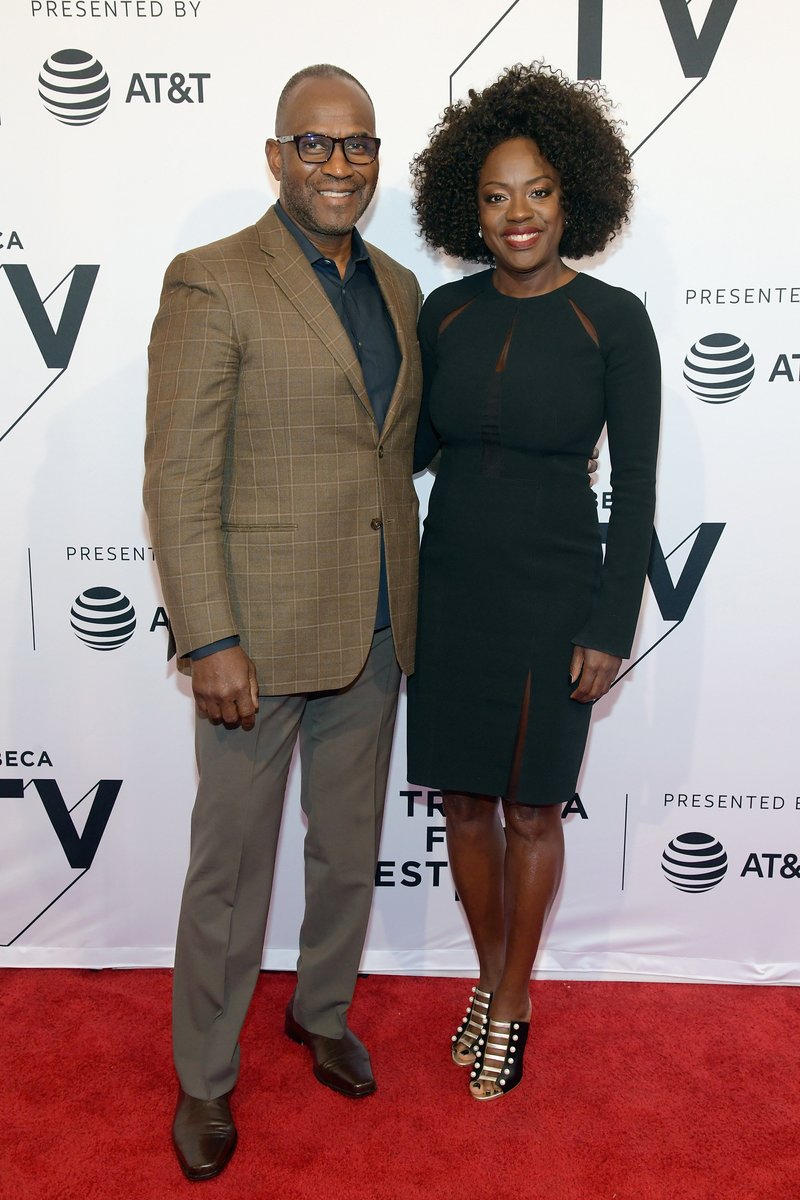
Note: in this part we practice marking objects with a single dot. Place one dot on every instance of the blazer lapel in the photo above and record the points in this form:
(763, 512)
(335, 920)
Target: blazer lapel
(296, 278)
(406, 333)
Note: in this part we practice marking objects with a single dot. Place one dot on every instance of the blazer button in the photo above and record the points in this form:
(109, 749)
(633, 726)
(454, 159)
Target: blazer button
(380, 451)
(376, 523)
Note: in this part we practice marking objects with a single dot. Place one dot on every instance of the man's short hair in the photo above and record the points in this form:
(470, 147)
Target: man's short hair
(317, 71)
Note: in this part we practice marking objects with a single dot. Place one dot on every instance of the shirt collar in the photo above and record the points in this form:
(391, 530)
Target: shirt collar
(358, 252)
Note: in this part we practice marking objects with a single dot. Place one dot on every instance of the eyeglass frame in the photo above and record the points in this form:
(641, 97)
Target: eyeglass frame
(285, 138)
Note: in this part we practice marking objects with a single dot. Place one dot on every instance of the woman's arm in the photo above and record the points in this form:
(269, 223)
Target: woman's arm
(632, 405)
(427, 443)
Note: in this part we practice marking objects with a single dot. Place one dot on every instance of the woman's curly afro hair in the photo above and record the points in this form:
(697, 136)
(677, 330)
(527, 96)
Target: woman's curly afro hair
(570, 125)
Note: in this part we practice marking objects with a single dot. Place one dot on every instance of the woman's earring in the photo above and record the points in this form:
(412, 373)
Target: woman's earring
(480, 232)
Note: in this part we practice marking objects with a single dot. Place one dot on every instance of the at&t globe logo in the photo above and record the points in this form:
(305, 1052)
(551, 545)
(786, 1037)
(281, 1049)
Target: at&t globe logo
(694, 862)
(719, 368)
(103, 618)
(74, 87)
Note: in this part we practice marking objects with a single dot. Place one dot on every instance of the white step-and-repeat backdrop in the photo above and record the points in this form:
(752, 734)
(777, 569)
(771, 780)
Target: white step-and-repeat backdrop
(683, 856)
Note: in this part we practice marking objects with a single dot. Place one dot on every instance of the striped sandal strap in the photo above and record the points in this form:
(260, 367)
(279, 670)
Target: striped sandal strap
(500, 1055)
(474, 1020)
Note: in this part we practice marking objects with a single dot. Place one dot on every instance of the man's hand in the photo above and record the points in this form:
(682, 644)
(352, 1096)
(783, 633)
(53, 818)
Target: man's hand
(597, 671)
(225, 687)
(592, 465)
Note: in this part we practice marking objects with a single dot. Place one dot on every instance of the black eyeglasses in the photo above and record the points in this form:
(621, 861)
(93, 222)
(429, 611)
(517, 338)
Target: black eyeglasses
(318, 147)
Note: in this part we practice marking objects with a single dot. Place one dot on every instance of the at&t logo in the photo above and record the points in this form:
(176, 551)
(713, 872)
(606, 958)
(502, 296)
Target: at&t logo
(74, 87)
(103, 618)
(718, 368)
(772, 866)
(178, 88)
(694, 862)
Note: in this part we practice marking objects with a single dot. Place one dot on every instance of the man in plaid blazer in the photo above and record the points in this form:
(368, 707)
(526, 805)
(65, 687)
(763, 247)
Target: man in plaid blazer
(283, 399)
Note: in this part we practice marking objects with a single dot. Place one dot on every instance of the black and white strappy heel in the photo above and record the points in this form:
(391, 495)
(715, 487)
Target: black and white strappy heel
(500, 1051)
(463, 1050)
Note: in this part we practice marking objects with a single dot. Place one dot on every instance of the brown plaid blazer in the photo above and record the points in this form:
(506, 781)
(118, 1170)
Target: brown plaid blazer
(266, 476)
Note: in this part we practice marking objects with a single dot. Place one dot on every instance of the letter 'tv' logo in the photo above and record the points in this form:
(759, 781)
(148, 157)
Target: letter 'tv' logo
(673, 599)
(696, 51)
(55, 343)
(79, 849)
(45, 875)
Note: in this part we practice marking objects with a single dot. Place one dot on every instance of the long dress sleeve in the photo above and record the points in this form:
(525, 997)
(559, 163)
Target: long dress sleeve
(632, 403)
(427, 443)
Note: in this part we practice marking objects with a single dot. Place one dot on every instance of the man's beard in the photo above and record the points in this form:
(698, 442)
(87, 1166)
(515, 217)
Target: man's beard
(297, 199)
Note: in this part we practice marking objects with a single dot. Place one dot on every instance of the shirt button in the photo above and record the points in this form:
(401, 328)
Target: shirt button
(376, 523)
(380, 451)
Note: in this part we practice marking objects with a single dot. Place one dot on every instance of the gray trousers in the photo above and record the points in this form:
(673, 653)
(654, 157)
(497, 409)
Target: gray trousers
(345, 744)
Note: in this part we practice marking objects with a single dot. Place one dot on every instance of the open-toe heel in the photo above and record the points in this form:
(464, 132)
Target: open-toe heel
(465, 1039)
(500, 1051)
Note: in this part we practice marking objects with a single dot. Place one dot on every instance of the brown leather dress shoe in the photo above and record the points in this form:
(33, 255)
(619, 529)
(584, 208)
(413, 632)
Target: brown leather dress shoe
(340, 1063)
(204, 1135)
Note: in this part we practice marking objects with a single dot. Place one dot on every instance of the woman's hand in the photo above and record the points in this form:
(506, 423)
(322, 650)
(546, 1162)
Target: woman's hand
(597, 671)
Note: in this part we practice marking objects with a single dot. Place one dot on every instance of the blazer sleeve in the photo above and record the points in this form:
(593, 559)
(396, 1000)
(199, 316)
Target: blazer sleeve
(194, 361)
(632, 404)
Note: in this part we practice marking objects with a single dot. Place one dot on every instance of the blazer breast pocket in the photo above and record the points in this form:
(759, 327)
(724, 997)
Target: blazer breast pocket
(258, 527)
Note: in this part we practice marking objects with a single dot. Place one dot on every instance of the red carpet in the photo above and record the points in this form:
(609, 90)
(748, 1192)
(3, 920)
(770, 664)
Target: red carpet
(632, 1092)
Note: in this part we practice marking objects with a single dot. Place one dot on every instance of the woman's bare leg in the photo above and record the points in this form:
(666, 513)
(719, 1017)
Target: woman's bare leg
(476, 847)
(533, 863)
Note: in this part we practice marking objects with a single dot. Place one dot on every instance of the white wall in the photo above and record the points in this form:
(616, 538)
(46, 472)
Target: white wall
(710, 713)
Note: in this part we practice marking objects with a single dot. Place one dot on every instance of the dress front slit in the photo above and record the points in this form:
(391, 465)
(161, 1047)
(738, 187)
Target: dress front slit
(522, 738)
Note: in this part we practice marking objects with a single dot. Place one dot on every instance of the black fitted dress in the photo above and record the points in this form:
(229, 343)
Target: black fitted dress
(512, 573)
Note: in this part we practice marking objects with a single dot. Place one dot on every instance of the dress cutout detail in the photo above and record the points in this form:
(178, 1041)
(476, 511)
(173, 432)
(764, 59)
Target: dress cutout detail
(586, 323)
(492, 459)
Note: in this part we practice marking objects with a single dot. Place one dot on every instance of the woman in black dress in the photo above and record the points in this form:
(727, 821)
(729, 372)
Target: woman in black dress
(523, 623)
